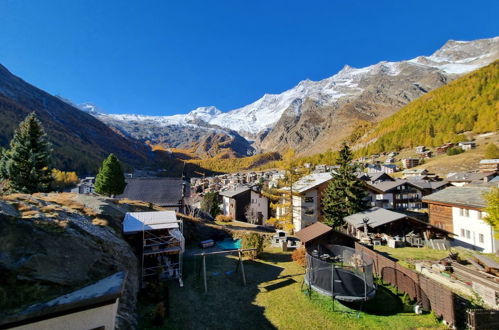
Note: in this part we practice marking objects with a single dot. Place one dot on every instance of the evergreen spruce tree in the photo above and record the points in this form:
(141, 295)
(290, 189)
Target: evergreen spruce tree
(210, 204)
(344, 194)
(110, 180)
(26, 164)
(3, 166)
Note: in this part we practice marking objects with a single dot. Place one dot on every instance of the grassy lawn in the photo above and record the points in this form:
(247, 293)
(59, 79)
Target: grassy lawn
(273, 298)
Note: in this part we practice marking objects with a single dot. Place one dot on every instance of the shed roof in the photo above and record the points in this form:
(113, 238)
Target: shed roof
(140, 221)
(313, 231)
(161, 191)
(377, 217)
(463, 196)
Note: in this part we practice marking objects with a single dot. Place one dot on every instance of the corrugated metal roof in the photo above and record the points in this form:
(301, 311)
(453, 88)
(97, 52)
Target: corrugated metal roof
(140, 221)
(377, 217)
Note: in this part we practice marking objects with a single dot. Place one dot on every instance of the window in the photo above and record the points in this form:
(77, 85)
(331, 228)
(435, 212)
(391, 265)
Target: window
(479, 214)
(309, 199)
(462, 232)
(480, 238)
(464, 212)
(467, 234)
(309, 211)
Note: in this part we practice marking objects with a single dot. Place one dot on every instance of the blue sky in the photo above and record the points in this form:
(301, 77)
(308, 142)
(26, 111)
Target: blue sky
(168, 57)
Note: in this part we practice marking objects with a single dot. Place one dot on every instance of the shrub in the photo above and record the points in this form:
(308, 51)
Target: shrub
(454, 151)
(298, 256)
(223, 218)
(252, 241)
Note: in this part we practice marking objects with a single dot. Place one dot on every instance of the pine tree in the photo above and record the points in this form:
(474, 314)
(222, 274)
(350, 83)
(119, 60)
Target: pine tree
(344, 194)
(3, 165)
(110, 179)
(210, 204)
(26, 164)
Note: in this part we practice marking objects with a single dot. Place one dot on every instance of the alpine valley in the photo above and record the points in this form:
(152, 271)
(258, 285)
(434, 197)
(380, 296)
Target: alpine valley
(312, 117)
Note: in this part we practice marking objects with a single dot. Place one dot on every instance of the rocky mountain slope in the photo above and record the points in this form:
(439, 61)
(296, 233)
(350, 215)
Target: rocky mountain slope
(80, 141)
(316, 115)
(180, 131)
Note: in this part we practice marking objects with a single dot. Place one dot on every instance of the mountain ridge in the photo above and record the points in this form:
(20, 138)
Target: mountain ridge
(80, 142)
(368, 93)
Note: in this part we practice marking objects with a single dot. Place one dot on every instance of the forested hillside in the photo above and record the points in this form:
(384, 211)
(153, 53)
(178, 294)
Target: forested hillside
(229, 165)
(468, 104)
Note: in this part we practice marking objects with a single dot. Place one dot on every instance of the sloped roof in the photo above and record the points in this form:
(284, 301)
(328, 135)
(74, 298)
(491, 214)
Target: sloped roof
(140, 221)
(425, 184)
(161, 191)
(310, 181)
(467, 176)
(463, 196)
(313, 231)
(376, 176)
(377, 217)
(415, 170)
(235, 191)
(101, 292)
(489, 161)
(385, 186)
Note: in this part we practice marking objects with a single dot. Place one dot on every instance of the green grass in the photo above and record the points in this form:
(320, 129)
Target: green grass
(273, 298)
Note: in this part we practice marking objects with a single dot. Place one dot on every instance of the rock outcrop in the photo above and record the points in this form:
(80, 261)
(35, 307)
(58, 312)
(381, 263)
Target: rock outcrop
(63, 242)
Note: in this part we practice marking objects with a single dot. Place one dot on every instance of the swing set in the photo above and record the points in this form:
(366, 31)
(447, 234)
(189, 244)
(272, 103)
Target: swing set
(239, 264)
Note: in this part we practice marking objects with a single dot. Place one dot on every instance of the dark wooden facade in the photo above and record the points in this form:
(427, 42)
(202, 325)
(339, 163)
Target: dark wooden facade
(441, 216)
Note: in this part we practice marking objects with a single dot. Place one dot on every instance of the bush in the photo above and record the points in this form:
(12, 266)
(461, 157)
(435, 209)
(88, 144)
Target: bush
(223, 218)
(252, 241)
(454, 151)
(298, 256)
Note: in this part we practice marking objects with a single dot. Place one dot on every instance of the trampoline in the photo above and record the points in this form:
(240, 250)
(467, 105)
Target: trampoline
(340, 272)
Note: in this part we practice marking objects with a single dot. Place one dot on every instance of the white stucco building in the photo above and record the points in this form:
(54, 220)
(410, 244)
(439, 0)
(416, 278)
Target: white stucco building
(460, 210)
(307, 194)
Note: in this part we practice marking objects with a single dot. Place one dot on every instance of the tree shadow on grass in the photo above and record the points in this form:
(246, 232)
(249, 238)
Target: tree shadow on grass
(228, 304)
(275, 257)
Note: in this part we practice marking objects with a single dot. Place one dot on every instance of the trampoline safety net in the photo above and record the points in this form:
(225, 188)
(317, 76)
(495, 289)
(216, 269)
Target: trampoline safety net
(340, 272)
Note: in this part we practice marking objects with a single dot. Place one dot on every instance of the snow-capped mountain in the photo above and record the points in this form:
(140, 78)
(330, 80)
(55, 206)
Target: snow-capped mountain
(373, 92)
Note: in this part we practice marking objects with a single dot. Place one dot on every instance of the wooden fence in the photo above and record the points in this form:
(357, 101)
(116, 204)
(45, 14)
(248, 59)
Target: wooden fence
(478, 319)
(427, 292)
